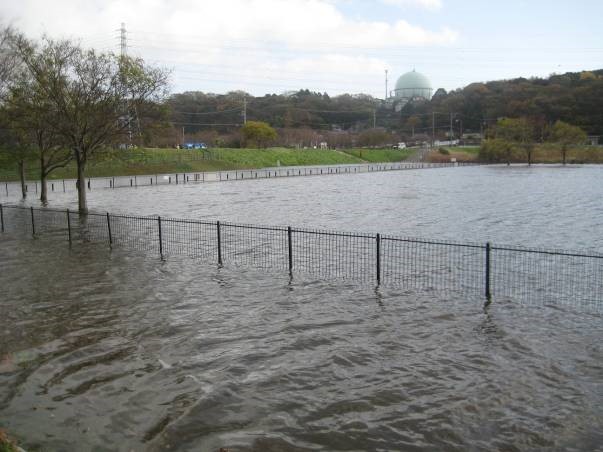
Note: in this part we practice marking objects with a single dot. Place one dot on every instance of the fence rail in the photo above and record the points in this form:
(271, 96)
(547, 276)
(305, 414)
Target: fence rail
(97, 183)
(410, 263)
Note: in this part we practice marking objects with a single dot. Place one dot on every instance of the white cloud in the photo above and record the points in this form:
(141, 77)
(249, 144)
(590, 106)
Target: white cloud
(427, 4)
(235, 40)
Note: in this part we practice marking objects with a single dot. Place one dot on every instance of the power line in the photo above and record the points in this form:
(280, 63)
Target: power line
(207, 112)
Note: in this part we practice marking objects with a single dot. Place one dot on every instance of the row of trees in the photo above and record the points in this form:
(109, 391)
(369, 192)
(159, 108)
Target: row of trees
(572, 97)
(63, 103)
(512, 135)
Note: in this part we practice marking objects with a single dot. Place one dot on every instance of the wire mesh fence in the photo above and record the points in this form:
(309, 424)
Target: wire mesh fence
(409, 263)
(8, 189)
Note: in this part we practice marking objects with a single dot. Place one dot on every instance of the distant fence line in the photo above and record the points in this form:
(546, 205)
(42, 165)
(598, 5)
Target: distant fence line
(63, 185)
(418, 264)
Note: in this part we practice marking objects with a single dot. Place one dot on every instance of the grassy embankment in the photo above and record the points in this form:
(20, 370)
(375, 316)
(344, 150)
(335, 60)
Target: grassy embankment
(380, 155)
(543, 153)
(461, 154)
(157, 161)
(550, 153)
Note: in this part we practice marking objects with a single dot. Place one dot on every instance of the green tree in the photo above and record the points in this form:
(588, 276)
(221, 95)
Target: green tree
(565, 135)
(518, 132)
(258, 133)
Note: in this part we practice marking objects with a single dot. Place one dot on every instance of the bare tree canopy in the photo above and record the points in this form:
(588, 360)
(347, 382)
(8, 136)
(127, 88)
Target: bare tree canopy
(91, 98)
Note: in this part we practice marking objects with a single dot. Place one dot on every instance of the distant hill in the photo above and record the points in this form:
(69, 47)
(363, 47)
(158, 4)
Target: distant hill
(574, 97)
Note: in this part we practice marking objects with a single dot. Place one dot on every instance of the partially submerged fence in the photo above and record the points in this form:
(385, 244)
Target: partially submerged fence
(417, 264)
(96, 183)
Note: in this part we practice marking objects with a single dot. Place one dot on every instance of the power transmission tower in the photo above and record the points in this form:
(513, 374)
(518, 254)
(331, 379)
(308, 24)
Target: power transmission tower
(386, 84)
(123, 40)
(123, 52)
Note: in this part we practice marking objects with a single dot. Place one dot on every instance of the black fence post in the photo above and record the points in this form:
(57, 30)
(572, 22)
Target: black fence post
(69, 226)
(33, 224)
(290, 246)
(219, 244)
(1, 218)
(488, 294)
(160, 238)
(378, 240)
(109, 230)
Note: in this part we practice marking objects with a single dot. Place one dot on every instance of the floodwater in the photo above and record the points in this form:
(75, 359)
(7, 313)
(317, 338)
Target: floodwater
(105, 350)
(117, 350)
(539, 206)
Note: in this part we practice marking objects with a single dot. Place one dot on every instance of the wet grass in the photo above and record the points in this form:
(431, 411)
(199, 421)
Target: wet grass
(156, 161)
(380, 155)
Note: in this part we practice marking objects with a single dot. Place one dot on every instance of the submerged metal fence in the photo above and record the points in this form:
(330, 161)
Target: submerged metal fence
(416, 264)
(96, 183)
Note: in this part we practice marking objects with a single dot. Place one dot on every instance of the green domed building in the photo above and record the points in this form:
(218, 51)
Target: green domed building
(412, 86)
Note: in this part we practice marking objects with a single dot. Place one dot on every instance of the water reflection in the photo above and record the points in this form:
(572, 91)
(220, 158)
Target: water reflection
(540, 206)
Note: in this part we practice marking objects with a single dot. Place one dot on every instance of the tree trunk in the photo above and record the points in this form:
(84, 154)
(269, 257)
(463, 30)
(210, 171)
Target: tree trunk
(43, 189)
(563, 152)
(21, 164)
(43, 184)
(81, 183)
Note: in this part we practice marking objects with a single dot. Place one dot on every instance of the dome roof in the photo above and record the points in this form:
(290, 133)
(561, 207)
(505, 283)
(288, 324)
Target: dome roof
(413, 79)
(413, 84)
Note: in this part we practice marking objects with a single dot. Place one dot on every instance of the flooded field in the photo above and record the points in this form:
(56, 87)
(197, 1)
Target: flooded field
(543, 206)
(118, 350)
(112, 351)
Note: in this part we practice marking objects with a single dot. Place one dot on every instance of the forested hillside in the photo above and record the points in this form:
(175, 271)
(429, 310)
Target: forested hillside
(575, 98)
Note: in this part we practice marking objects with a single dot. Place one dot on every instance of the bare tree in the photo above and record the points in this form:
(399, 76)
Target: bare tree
(9, 59)
(30, 116)
(92, 98)
(11, 68)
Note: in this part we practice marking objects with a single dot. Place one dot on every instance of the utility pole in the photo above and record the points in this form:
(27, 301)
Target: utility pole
(244, 110)
(374, 118)
(183, 135)
(450, 129)
(432, 128)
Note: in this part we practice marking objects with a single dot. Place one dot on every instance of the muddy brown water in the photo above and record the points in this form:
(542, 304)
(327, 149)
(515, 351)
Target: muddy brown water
(114, 350)
(117, 350)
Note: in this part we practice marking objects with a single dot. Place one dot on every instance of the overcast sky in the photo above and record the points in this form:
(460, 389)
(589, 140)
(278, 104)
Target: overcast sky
(337, 46)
